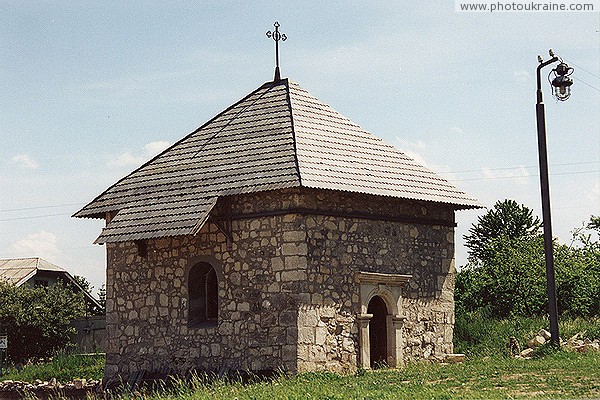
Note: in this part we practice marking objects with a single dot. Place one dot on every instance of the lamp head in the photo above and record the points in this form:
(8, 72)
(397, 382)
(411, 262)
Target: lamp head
(561, 84)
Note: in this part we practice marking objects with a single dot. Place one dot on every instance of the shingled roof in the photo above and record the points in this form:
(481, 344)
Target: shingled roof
(279, 136)
(17, 271)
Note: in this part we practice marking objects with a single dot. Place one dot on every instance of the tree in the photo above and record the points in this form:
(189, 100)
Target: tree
(578, 272)
(508, 278)
(84, 283)
(594, 223)
(87, 286)
(509, 282)
(102, 299)
(506, 219)
(37, 319)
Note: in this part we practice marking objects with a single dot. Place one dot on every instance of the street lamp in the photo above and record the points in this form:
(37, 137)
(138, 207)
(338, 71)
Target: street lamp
(561, 89)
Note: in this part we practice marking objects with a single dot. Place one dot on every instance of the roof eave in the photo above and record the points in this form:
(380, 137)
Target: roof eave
(83, 214)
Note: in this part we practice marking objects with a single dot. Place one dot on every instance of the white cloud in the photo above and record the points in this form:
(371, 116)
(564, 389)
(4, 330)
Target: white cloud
(130, 159)
(521, 75)
(23, 160)
(410, 144)
(39, 244)
(125, 159)
(417, 157)
(414, 150)
(154, 148)
(519, 175)
(456, 130)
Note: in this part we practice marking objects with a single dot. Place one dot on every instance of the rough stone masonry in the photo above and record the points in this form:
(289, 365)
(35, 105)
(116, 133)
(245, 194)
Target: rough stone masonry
(289, 296)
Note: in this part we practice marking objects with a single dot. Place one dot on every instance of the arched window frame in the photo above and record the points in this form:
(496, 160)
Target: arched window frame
(203, 293)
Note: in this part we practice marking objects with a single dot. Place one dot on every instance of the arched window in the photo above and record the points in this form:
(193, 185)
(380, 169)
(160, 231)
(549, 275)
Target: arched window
(203, 289)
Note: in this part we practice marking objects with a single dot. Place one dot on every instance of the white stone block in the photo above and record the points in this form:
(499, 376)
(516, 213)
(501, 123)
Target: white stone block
(163, 300)
(527, 352)
(306, 335)
(293, 276)
(545, 334)
(321, 335)
(277, 264)
(454, 358)
(536, 341)
(294, 236)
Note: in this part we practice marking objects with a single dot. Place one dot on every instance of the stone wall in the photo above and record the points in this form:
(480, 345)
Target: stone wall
(147, 304)
(288, 297)
(338, 247)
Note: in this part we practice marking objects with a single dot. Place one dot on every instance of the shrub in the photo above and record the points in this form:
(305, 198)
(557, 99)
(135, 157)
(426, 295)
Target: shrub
(37, 319)
(578, 276)
(510, 282)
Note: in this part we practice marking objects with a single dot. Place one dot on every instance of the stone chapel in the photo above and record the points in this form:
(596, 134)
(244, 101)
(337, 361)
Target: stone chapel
(278, 235)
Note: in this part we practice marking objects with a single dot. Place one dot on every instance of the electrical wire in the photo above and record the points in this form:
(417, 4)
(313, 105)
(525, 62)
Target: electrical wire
(523, 176)
(518, 167)
(583, 69)
(452, 180)
(33, 217)
(41, 207)
(585, 83)
(579, 67)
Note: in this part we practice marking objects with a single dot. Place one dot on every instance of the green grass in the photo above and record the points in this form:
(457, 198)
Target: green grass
(63, 367)
(558, 375)
(488, 373)
(477, 335)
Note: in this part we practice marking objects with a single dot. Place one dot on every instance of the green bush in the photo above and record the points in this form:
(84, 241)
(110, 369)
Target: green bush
(505, 276)
(578, 276)
(37, 319)
(510, 282)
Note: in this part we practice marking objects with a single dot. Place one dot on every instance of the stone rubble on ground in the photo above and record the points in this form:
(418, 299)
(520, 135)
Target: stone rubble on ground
(536, 341)
(21, 387)
(575, 343)
(545, 334)
(581, 345)
(454, 358)
(526, 353)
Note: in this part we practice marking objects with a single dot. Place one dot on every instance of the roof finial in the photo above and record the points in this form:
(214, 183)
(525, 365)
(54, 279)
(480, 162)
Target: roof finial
(277, 36)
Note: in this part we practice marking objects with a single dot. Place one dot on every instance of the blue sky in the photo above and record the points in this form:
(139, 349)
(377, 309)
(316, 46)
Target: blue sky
(90, 90)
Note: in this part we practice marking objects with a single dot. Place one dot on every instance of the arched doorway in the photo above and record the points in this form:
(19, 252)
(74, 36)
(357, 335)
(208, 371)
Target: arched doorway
(378, 332)
(380, 322)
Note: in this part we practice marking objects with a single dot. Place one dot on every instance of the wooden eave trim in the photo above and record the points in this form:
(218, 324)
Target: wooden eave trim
(382, 278)
(358, 215)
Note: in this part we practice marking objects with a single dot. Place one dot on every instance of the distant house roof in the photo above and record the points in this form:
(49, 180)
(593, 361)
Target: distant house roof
(279, 136)
(17, 271)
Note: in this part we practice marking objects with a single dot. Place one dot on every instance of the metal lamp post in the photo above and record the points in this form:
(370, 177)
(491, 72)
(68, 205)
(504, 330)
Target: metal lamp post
(561, 89)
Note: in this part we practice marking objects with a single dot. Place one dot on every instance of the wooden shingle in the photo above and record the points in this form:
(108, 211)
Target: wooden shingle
(279, 136)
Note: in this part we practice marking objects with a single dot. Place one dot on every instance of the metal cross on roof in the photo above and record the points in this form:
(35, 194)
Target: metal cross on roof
(277, 36)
